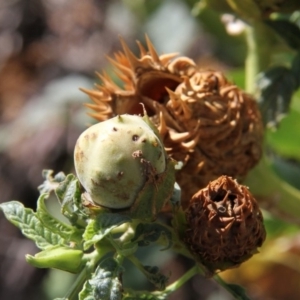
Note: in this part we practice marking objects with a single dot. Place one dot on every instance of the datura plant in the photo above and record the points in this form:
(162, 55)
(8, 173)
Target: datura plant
(205, 121)
(171, 122)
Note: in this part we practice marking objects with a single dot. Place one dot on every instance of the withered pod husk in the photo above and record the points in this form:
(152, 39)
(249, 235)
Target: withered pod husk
(224, 224)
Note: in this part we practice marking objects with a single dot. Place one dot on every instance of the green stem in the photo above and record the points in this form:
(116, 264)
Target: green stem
(182, 280)
(169, 289)
(137, 263)
(77, 285)
(175, 285)
(258, 55)
(227, 287)
(92, 260)
(273, 193)
(129, 231)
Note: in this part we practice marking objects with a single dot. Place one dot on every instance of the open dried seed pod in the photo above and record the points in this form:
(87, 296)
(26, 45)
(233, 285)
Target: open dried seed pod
(206, 122)
(224, 225)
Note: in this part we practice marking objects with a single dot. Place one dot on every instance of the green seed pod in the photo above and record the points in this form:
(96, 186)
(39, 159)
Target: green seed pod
(58, 257)
(116, 160)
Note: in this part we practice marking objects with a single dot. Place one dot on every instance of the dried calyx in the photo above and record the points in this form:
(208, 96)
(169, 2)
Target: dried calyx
(226, 126)
(224, 225)
(205, 121)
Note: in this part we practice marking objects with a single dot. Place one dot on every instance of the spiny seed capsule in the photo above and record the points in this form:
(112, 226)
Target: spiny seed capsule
(115, 159)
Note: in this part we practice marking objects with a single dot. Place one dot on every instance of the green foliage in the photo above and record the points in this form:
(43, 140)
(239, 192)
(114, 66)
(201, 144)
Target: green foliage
(276, 87)
(69, 195)
(277, 227)
(147, 233)
(81, 247)
(278, 84)
(296, 68)
(287, 31)
(27, 221)
(50, 183)
(101, 226)
(69, 233)
(105, 283)
(281, 141)
(155, 277)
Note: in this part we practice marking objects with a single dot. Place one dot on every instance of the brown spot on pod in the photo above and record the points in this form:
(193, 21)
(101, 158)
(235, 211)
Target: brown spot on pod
(135, 137)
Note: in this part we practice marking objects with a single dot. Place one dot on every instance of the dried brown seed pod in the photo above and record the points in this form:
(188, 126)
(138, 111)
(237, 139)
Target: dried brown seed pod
(224, 224)
(225, 129)
(206, 122)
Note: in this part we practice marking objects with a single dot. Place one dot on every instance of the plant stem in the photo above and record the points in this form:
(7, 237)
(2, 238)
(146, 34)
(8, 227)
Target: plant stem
(274, 194)
(182, 280)
(227, 287)
(138, 264)
(92, 260)
(175, 285)
(258, 56)
(77, 285)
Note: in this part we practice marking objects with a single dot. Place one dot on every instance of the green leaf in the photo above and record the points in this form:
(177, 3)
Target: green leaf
(69, 233)
(69, 194)
(286, 139)
(105, 283)
(26, 220)
(68, 190)
(155, 277)
(276, 87)
(50, 183)
(296, 69)
(147, 233)
(58, 257)
(276, 227)
(87, 292)
(179, 222)
(287, 169)
(287, 31)
(126, 249)
(100, 227)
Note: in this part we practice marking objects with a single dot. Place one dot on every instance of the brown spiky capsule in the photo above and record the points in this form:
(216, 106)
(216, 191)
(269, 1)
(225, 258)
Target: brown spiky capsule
(224, 224)
(206, 122)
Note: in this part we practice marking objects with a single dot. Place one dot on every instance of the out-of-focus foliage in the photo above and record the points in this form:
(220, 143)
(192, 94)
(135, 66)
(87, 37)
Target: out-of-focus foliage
(281, 141)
